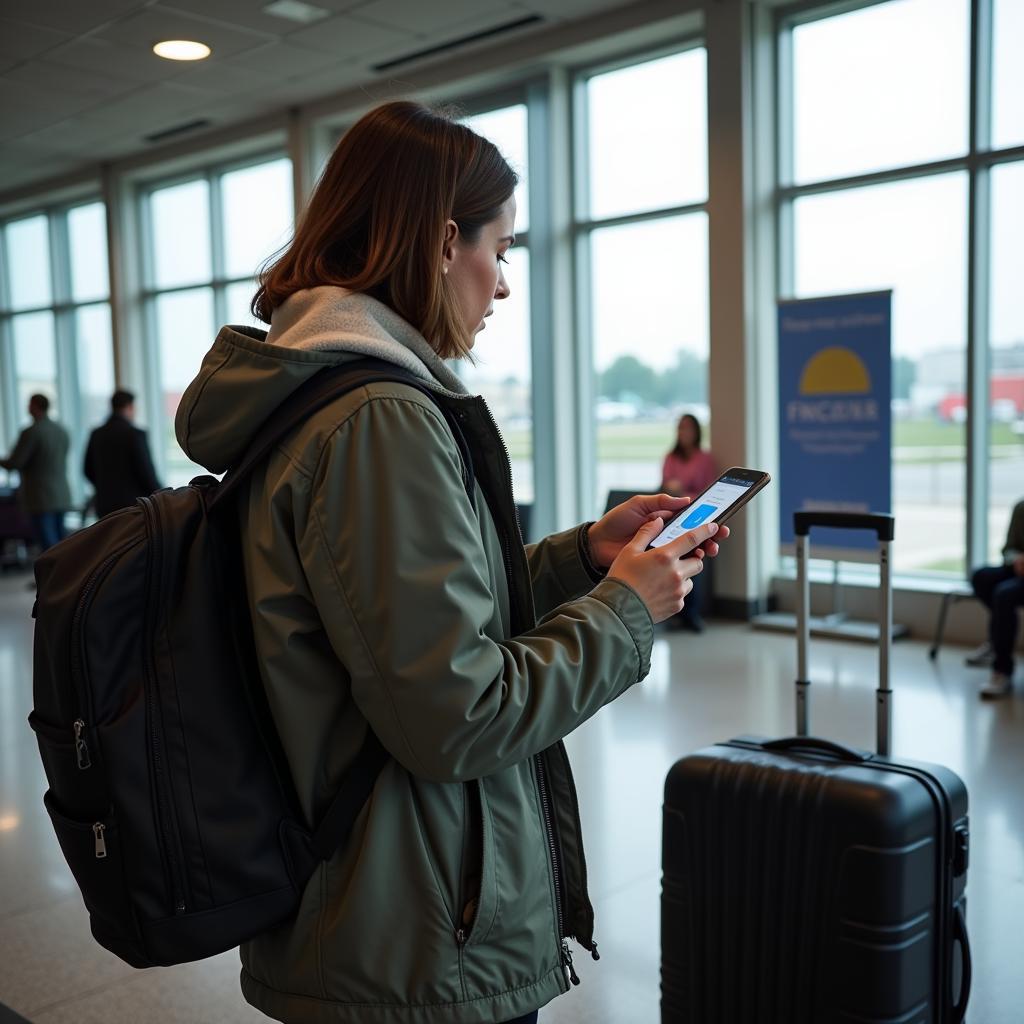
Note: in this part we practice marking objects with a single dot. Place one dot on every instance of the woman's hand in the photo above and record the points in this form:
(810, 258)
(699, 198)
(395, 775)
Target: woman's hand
(610, 534)
(663, 577)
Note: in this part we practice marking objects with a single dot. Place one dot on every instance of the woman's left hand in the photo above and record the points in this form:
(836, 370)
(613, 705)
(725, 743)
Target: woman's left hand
(618, 527)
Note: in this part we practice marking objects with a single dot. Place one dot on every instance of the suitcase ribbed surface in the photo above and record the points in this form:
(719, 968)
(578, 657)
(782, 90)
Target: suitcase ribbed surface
(796, 893)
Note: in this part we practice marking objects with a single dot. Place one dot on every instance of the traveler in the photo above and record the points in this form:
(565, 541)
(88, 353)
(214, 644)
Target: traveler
(1000, 588)
(40, 457)
(117, 460)
(689, 469)
(384, 598)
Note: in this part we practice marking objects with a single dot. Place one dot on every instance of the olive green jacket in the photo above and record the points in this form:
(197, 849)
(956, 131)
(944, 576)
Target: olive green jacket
(41, 459)
(382, 597)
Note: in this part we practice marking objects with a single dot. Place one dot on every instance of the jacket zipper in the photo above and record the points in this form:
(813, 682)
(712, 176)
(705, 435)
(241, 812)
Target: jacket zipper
(463, 931)
(169, 835)
(83, 758)
(565, 955)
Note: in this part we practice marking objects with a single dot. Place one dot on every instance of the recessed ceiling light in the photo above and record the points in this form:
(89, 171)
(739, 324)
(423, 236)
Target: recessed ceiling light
(295, 10)
(181, 49)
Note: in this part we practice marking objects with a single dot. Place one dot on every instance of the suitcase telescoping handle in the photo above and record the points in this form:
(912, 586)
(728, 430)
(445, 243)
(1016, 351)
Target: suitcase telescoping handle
(884, 527)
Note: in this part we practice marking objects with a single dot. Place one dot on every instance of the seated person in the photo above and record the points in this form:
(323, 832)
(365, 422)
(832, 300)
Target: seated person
(1001, 589)
(686, 471)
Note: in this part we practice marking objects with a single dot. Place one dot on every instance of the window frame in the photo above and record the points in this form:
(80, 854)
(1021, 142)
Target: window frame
(977, 162)
(64, 308)
(148, 292)
(582, 228)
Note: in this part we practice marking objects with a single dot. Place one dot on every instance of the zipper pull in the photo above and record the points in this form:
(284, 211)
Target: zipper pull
(81, 749)
(460, 936)
(593, 950)
(101, 843)
(570, 971)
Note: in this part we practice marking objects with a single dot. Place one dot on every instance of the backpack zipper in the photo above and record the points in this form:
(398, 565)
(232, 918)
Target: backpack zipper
(79, 681)
(169, 835)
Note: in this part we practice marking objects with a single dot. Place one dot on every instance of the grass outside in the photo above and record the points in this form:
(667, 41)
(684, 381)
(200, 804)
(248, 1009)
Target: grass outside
(649, 441)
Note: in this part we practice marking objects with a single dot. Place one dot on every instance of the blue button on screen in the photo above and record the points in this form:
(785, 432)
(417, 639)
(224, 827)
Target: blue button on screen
(698, 515)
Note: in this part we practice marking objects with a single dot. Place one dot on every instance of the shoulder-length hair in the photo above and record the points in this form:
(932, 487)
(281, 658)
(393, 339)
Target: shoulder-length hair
(376, 220)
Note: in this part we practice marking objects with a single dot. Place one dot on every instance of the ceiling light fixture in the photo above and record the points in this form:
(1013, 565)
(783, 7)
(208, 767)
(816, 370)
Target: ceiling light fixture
(181, 49)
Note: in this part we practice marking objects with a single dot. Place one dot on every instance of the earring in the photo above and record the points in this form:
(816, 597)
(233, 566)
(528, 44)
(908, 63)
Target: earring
(444, 270)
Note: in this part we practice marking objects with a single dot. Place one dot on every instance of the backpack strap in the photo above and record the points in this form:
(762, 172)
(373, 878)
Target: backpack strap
(319, 391)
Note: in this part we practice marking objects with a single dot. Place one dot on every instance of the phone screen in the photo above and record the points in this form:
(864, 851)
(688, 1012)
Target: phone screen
(710, 505)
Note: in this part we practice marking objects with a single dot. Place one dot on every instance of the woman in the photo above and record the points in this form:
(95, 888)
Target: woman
(688, 469)
(383, 598)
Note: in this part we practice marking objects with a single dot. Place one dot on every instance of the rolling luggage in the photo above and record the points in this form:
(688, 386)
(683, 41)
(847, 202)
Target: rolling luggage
(805, 882)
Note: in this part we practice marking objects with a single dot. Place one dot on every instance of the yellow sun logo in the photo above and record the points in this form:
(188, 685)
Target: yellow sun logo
(835, 371)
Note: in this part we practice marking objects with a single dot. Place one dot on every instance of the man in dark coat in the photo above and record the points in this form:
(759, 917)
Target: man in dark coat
(117, 460)
(40, 457)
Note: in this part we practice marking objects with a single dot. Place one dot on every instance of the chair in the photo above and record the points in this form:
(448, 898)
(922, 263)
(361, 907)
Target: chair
(617, 498)
(961, 592)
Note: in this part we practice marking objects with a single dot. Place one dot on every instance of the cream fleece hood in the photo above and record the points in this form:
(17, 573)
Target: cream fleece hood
(248, 373)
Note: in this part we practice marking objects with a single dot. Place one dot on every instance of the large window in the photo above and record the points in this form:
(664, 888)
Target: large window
(501, 368)
(643, 230)
(876, 172)
(208, 236)
(55, 330)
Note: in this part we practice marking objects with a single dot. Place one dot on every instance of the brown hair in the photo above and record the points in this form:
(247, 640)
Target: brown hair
(376, 220)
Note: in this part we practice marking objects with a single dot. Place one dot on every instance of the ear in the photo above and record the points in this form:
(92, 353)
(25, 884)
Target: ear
(451, 237)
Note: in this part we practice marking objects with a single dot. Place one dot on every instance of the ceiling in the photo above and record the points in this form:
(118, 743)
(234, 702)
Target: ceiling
(79, 83)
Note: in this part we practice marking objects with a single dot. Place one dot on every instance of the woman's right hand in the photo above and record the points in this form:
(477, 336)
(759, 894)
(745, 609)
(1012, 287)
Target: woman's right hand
(662, 577)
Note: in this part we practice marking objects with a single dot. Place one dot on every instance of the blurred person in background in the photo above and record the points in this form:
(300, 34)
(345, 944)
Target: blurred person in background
(117, 460)
(1000, 588)
(40, 458)
(687, 470)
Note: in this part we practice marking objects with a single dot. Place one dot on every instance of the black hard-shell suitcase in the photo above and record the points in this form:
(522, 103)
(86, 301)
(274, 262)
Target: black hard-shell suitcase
(805, 882)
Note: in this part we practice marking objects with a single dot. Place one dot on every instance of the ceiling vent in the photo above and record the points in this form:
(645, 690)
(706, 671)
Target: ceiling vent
(178, 129)
(454, 44)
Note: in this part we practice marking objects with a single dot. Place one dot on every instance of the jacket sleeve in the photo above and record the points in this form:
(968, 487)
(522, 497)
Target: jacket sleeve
(143, 464)
(23, 451)
(394, 558)
(559, 569)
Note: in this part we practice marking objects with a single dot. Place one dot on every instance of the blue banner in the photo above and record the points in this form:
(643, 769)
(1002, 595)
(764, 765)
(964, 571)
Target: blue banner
(835, 421)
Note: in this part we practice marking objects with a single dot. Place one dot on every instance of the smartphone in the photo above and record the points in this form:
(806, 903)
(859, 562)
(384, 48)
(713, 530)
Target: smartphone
(723, 499)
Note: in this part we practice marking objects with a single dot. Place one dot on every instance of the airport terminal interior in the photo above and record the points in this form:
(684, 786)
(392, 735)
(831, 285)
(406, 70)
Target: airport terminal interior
(708, 189)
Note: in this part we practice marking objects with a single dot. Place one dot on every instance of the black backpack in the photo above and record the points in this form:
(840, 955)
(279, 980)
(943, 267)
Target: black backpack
(169, 791)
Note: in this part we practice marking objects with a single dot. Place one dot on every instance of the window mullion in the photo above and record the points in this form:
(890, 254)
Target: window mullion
(217, 250)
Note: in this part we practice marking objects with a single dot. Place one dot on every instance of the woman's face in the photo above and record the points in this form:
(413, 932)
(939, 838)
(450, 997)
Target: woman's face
(476, 272)
(687, 434)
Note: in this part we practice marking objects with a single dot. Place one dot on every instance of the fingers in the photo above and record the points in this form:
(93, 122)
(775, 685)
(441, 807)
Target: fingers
(665, 505)
(686, 542)
(646, 534)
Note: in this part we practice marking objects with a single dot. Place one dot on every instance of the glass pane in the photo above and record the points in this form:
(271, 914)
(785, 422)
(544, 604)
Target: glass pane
(185, 334)
(35, 359)
(650, 356)
(95, 351)
(1008, 69)
(647, 129)
(912, 237)
(1006, 324)
(180, 226)
(502, 372)
(506, 128)
(257, 203)
(880, 87)
(28, 263)
(87, 240)
(238, 297)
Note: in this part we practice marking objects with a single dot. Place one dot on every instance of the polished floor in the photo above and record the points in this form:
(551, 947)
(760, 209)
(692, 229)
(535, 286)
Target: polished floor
(729, 680)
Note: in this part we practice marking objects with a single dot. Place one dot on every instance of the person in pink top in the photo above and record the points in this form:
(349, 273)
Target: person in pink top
(688, 470)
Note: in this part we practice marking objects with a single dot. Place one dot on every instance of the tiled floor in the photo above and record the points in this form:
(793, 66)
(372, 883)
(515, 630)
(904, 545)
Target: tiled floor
(730, 680)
